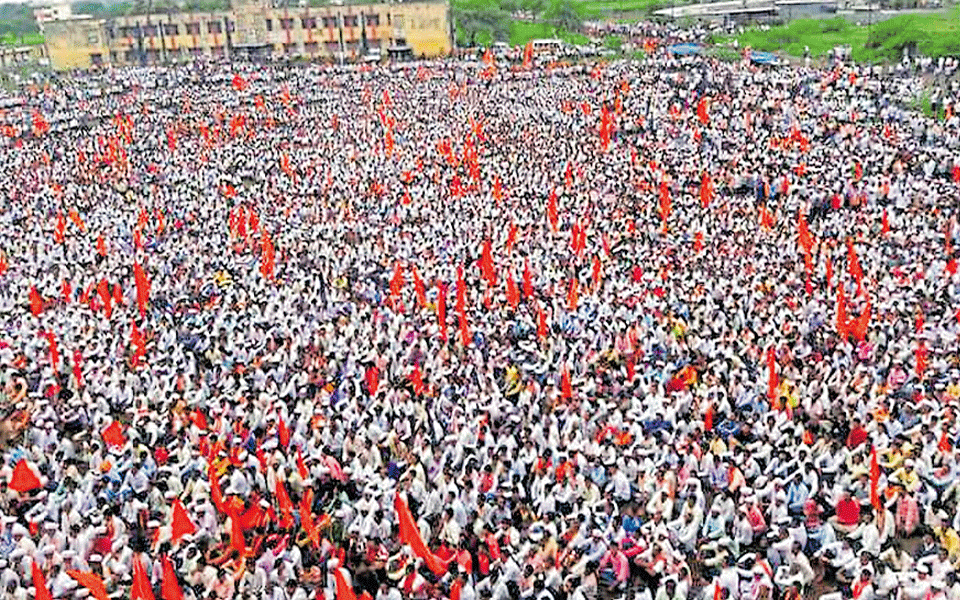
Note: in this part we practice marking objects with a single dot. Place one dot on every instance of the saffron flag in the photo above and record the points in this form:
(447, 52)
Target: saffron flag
(90, 581)
(23, 479)
(113, 435)
(706, 190)
(170, 588)
(410, 535)
(40, 584)
(874, 480)
(344, 591)
(513, 294)
(552, 210)
(140, 590)
(181, 524)
(143, 288)
(572, 295)
(527, 280)
(566, 389)
(442, 310)
(36, 302)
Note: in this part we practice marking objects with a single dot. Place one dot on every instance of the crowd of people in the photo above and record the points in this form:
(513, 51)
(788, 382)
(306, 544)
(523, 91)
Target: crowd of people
(658, 329)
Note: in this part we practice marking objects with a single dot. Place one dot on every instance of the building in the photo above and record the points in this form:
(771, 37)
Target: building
(254, 29)
(53, 12)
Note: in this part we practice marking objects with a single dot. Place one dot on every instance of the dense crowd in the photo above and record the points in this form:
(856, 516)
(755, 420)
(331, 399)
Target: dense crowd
(657, 329)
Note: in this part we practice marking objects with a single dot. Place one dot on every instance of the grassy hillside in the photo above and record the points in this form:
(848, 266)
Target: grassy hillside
(933, 34)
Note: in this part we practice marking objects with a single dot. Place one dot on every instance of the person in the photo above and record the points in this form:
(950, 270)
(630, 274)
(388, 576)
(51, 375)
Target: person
(506, 333)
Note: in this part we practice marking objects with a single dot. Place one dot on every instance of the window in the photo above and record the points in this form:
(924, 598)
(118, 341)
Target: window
(373, 20)
(171, 29)
(308, 22)
(231, 26)
(214, 27)
(332, 47)
(96, 59)
(93, 39)
(311, 48)
(149, 30)
(290, 48)
(286, 24)
(193, 28)
(349, 20)
(216, 51)
(330, 22)
(110, 32)
(269, 24)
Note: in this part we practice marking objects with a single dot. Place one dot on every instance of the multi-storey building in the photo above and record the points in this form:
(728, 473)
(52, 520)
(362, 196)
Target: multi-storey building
(254, 29)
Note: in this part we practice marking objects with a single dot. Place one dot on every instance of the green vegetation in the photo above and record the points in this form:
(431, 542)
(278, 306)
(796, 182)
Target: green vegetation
(613, 42)
(931, 34)
(26, 39)
(482, 22)
(606, 7)
(17, 19)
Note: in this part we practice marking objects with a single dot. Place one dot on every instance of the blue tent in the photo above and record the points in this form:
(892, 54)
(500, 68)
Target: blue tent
(763, 58)
(684, 49)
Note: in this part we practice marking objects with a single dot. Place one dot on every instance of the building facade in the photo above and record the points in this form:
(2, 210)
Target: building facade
(253, 29)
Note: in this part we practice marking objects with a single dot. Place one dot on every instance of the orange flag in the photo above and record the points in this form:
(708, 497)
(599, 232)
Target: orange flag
(541, 324)
(54, 353)
(23, 479)
(419, 287)
(804, 239)
(410, 535)
(181, 525)
(40, 584)
(859, 325)
(572, 295)
(528, 55)
(306, 517)
(597, 273)
(143, 288)
(566, 389)
(921, 357)
(885, 223)
(302, 466)
(513, 294)
(344, 591)
(944, 444)
(104, 290)
(283, 433)
(465, 336)
(486, 263)
(140, 590)
(702, 111)
(170, 588)
(552, 210)
(706, 190)
(113, 435)
(267, 257)
(527, 281)
(772, 380)
(396, 282)
(92, 582)
(841, 313)
(442, 310)
(874, 479)
(36, 302)
(286, 506)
